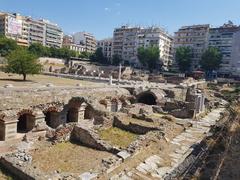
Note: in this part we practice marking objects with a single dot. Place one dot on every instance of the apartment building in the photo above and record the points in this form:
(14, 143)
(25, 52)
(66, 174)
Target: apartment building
(196, 37)
(106, 45)
(68, 43)
(15, 27)
(85, 39)
(227, 39)
(37, 31)
(127, 40)
(155, 36)
(26, 30)
(54, 34)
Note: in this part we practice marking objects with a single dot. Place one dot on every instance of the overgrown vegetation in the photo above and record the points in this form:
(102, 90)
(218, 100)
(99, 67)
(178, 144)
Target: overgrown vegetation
(22, 62)
(231, 95)
(211, 59)
(117, 137)
(184, 57)
(149, 57)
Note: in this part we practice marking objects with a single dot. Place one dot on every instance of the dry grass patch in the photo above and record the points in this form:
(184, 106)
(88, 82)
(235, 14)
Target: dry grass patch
(117, 137)
(67, 157)
(16, 80)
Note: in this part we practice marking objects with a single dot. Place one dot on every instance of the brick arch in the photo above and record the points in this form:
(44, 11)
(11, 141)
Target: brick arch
(26, 120)
(2, 116)
(52, 109)
(25, 111)
(76, 102)
(147, 97)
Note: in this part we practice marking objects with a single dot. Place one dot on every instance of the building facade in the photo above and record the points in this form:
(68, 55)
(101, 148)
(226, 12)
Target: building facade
(53, 35)
(106, 46)
(157, 37)
(68, 43)
(196, 37)
(26, 30)
(127, 40)
(15, 27)
(227, 39)
(37, 31)
(85, 39)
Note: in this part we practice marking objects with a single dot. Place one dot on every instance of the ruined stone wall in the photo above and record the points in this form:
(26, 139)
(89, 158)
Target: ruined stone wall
(134, 128)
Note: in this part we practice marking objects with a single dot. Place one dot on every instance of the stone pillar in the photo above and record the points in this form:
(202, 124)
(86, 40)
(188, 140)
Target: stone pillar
(109, 105)
(40, 122)
(119, 105)
(110, 80)
(202, 104)
(197, 103)
(81, 112)
(8, 130)
(119, 73)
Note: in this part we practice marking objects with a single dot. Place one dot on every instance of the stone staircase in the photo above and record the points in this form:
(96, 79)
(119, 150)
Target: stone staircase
(155, 167)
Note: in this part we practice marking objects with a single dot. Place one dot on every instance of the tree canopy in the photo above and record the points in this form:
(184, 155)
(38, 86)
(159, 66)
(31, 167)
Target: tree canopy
(42, 51)
(7, 45)
(99, 57)
(183, 57)
(211, 59)
(116, 60)
(149, 57)
(22, 62)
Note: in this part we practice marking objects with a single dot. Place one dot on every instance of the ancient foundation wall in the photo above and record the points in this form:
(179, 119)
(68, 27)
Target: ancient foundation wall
(134, 128)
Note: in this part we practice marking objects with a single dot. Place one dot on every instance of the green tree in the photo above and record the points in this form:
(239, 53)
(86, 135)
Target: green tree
(85, 54)
(99, 57)
(211, 59)
(184, 58)
(39, 50)
(149, 57)
(22, 62)
(7, 45)
(116, 60)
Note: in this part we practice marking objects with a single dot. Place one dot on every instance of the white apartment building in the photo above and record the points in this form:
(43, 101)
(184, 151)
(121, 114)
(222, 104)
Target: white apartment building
(37, 31)
(227, 39)
(196, 37)
(155, 36)
(54, 34)
(85, 39)
(106, 45)
(127, 40)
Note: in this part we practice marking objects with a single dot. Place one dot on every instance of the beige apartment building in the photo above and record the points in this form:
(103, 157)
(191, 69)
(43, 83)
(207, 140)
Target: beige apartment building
(196, 37)
(127, 40)
(68, 43)
(26, 30)
(85, 39)
(14, 26)
(106, 45)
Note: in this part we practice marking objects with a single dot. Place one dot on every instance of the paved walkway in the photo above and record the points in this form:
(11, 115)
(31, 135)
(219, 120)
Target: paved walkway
(155, 167)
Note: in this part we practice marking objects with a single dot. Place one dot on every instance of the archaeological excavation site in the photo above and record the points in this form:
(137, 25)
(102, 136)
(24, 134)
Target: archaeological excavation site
(86, 129)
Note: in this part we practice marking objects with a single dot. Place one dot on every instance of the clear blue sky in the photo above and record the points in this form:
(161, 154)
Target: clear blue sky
(100, 17)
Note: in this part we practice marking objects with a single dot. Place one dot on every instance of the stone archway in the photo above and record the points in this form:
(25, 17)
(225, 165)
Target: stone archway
(147, 98)
(26, 122)
(114, 105)
(51, 118)
(72, 115)
(89, 112)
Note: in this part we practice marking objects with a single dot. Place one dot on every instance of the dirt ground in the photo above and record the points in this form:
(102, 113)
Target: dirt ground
(66, 157)
(16, 80)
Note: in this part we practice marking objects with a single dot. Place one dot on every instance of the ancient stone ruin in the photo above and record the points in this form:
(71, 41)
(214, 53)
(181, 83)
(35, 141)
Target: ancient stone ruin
(136, 131)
